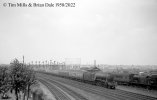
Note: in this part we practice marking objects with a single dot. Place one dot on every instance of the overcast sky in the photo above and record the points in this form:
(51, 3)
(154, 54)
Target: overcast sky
(109, 31)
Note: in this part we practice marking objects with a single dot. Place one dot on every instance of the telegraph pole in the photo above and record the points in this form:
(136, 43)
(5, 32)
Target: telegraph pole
(94, 63)
(23, 59)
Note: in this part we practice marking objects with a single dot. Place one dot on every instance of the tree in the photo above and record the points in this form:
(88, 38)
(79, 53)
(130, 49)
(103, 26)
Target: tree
(29, 79)
(22, 77)
(4, 81)
(17, 77)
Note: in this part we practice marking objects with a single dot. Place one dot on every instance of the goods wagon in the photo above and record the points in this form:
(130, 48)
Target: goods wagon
(63, 74)
(89, 76)
(123, 78)
(141, 80)
(76, 74)
(153, 81)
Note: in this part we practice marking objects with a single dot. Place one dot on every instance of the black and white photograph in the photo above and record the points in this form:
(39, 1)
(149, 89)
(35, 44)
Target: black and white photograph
(78, 49)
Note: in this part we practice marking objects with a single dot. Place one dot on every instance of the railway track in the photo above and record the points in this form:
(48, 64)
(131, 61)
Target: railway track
(74, 94)
(108, 93)
(110, 96)
(59, 95)
(118, 94)
(138, 96)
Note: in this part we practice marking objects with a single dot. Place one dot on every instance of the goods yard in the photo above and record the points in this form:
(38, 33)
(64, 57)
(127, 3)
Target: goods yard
(83, 91)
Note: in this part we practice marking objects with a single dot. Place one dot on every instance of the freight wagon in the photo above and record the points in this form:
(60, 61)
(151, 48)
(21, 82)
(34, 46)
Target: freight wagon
(143, 80)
